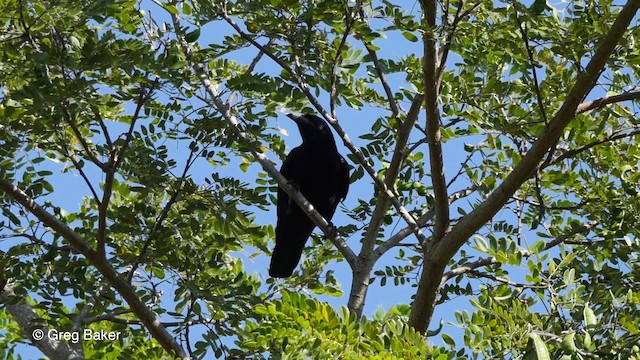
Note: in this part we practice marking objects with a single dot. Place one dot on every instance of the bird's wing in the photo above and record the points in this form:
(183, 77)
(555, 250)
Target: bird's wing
(288, 170)
(288, 167)
(343, 173)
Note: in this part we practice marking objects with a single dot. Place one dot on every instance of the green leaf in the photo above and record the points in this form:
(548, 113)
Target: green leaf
(192, 36)
(170, 8)
(542, 352)
(568, 343)
(448, 340)
(590, 319)
(158, 272)
(410, 36)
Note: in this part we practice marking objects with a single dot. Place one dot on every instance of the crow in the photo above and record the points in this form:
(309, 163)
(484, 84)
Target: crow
(321, 174)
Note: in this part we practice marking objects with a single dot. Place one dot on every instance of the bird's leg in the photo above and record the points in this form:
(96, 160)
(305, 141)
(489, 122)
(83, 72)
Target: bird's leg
(291, 202)
(293, 185)
(333, 231)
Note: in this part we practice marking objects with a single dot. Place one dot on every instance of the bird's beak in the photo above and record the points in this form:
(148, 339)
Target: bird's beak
(294, 117)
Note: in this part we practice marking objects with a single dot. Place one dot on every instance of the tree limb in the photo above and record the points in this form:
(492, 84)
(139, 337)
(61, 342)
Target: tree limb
(573, 152)
(442, 252)
(32, 325)
(434, 137)
(603, 101)
(128, 293)
(564, 238)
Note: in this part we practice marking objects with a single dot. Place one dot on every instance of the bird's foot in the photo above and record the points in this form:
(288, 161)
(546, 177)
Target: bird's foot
(333, 231)
(294, 185)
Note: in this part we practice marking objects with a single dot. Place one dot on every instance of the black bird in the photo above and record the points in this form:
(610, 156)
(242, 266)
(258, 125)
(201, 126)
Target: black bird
(321, 174)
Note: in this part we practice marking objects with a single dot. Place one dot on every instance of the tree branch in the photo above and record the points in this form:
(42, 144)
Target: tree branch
(128, 293)
(68, 119)
(393, 104)
(442, 252)
(573, 152)
(603, 101)
(392, 173)
(160, 219)
(32, 326)
(434, 137)
(402, 234)
(564, 238)
(536, 83)
(446, 47)
(251, 67)
(337, 60)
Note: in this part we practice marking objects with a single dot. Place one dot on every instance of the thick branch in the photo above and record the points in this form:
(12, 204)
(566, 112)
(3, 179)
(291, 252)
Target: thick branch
(443, 251)
(32, 325)
(146, 316)
(434, 137)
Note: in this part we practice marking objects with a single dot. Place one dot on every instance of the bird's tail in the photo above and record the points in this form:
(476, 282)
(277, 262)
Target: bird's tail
(290, 240)
(284, 260)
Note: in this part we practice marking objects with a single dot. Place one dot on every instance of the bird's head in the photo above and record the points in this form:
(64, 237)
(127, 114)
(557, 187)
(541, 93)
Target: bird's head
(313, 129)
